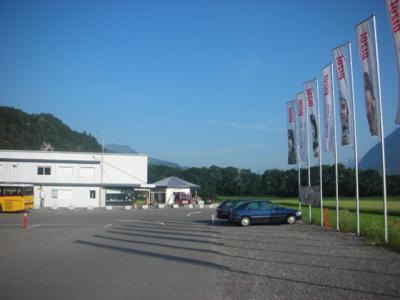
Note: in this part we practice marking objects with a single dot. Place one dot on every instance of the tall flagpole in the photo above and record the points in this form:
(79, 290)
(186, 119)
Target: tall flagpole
(382, 133)
(308, 157)
(101, 194)
(297, 144)
(299, 171)
(320, 159)
(336, 158)
(355, 141)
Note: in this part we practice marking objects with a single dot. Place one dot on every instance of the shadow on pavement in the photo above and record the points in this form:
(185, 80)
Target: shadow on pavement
(220, 267)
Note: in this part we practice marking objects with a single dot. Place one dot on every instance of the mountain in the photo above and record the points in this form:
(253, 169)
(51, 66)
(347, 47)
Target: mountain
(116, 148)
(22, 131)
(156, 161)
(373, 158)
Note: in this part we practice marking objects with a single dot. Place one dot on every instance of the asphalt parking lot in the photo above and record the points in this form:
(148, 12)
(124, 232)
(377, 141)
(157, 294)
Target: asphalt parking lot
(182, 253)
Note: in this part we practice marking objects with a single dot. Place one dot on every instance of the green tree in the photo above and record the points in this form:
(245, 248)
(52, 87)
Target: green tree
(230, 181)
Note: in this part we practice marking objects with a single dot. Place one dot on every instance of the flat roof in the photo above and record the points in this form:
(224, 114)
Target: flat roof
(71, 152)
(16, 185)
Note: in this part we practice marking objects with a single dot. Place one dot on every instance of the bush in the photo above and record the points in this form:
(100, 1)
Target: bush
(315, 219)
(347, 221)
(394, 235)
(375, 234)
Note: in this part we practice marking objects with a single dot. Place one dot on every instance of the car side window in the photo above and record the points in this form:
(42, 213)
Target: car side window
(265, 205)
(253, 206)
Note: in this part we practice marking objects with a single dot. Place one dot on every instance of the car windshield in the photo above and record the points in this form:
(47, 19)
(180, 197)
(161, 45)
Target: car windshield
(225, 204)
(230, 204)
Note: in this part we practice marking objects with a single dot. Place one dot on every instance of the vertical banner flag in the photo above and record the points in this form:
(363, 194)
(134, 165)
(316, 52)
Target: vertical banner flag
(341, 57)
(302, 121)
(365, 40)
(309, 89)
(393, 8)
(329, 139)
(291, 127)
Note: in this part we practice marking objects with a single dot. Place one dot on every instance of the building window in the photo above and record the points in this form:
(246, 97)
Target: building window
(44, 171)
(54, 194)
(92, 194)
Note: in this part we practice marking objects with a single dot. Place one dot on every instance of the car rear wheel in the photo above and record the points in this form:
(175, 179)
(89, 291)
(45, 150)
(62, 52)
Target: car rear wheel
(291, 220)
(245, 221)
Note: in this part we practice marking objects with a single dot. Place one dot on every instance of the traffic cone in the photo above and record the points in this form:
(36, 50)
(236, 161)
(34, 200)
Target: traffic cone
(25, 225)
(327, 225)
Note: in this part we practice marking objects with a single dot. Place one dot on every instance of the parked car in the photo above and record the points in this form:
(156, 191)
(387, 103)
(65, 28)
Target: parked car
(259, 212)
(223, 210)
(182, 199)
(208, 201)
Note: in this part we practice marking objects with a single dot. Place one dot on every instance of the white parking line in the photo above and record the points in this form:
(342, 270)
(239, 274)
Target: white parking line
(192, 213)
(213, 219)
(106, 226)
(34, 226)
(71, 224)
(140, 221)
(52, 224)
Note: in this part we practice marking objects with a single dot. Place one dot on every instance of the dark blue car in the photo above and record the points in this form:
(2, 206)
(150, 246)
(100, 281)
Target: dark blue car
(260, 212)
(224, 209)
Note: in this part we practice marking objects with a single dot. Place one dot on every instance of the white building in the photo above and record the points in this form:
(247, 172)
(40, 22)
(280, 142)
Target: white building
(169, 190)
(72, 179)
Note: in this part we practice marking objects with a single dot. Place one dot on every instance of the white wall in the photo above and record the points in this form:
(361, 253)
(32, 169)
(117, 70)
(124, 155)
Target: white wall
(124, 169)
(169, 199)
(68, 168)
(65, 196)
(72, 174)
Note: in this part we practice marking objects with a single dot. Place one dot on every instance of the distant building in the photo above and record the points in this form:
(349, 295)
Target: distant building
(75, 179)
(169, 190)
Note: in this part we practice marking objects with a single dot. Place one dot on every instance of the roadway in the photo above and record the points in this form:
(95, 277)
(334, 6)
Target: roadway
(183, 254)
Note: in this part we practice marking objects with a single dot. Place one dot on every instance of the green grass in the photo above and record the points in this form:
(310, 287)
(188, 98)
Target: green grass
(371, 225)
(371, 219)
(140, 201)
(371, 216)
(367, 205)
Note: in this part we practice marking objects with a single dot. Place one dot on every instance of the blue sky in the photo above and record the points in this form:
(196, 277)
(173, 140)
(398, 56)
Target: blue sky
(194, 82)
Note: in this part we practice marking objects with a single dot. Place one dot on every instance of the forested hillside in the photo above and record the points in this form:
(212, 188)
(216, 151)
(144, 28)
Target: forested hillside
(22, 131)
(216, 181)
(19, 130)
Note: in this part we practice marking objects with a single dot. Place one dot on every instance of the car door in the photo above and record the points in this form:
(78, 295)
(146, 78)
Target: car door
(278, 214)
(257, 215)
(267, 211)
